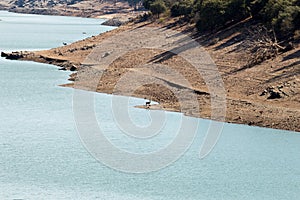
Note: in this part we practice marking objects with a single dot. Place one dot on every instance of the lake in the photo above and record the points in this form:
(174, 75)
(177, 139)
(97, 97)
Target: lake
(42, 156)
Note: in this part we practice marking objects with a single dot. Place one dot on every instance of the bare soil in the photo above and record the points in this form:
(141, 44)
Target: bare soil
(249, 91)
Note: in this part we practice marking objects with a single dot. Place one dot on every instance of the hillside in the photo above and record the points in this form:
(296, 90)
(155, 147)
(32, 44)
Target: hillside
(80, 8)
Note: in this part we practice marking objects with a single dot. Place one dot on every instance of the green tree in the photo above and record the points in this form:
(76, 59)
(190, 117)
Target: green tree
(282, 15)
(183, 7)
(158, 7)
(198, 4)
(211, 15)
(237, 10)
(256, 6)
(20, 3)
(147, 3)
(134, 3)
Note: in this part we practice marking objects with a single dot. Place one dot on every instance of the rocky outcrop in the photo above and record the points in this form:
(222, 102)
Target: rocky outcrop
(20, 55)
(13, 55)
(274, 92)
(113, 22)
(3, 55)
(3, 7)
(38, 11)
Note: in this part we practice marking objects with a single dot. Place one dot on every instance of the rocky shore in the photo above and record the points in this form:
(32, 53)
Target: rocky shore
(265, 95)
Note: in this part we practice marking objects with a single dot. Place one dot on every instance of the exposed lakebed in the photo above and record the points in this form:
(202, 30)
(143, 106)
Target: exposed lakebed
(42, 156)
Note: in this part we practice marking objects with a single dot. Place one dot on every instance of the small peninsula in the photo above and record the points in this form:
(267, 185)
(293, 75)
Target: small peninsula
(262, 88)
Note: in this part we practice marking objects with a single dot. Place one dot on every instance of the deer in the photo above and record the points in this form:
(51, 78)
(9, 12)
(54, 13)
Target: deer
(148, 103)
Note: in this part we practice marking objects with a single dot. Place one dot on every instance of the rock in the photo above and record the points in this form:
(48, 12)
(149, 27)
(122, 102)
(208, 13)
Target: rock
(274, 95)
(274, 92)
(87, 47)
(263, 93)
(113, 22)
(13, 55)
(105, 55)
(72, 79)
(4, 54)
(73, 68)
(251, 123)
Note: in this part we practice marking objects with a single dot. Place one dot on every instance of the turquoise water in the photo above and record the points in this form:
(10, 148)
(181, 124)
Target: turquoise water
(42, 157)
(43, 32)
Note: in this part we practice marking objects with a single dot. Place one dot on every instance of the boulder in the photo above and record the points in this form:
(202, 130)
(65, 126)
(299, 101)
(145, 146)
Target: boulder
(73, 68)
(4, 54)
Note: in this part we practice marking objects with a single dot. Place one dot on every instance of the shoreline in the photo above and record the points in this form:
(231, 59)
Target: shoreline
(120, 11)
(242, 107)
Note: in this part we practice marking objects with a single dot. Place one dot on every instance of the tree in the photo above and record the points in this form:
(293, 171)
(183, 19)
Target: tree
(282, 15)
(134, 3)
(158, 7)
(237, 10)
(180, 8)
(212, 15)
(198, 4)
(20, 3)
(147, 3)
(256, 6)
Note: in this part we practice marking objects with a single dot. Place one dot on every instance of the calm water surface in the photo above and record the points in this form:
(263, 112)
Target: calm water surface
(41, 156)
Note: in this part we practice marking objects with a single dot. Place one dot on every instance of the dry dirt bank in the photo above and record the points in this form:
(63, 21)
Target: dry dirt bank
(249, 91)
